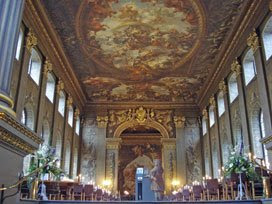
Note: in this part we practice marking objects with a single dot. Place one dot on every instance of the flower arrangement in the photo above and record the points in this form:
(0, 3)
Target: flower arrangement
(240, 163)
(46, 156)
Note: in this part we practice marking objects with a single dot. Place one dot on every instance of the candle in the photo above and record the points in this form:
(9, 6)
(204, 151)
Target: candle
(249, 156)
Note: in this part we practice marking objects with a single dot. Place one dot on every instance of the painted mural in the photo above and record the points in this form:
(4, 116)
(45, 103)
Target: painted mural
(143, 50)
(131, 157)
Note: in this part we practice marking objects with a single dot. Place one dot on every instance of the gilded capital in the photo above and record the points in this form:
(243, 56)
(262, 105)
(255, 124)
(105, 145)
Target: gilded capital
(69, 101)
(31, 40)
(179, 121)
(253, 41)
(205, 114)
(60, 86)
(212, 102)
(77, 113)
(222, 86)
(236, 67)
(270, 5)
(47, 67)
(102, 121)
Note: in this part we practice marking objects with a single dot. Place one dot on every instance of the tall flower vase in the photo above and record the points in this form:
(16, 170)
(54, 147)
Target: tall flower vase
(241, 192)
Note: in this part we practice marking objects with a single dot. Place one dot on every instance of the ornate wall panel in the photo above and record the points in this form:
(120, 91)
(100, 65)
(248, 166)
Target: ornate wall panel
(214, 151)
(193, 150)
(236, 122)
(225, 138)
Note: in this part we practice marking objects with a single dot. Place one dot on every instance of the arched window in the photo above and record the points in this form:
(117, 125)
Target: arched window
(28, 116)
(67, 157)
(204, 126)
(70, 116)
(19, 44)
(46, 132)
(77, 125)
(58, 148)
(34, 67)
(211, 116)
(50, 87)
(249, 67)
(23, 118)
(233, 87)
(267, 39)
(265, 153)
(221, 103)
(62, 99)
(75, 163)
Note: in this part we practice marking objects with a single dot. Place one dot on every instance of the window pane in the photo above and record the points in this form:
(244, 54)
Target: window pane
(70, 117)
(233, 88)
(267, 39)
(34, 69)
(249, 67)
(221, 104)
(211, 116)
(62, 100)
(77, 125)
(50, 88)
(204, 126)
(19, 44)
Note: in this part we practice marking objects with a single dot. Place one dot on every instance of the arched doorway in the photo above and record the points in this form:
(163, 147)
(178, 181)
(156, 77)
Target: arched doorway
(140, 145)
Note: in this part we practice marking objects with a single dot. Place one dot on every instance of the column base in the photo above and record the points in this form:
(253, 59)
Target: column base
(7, 104)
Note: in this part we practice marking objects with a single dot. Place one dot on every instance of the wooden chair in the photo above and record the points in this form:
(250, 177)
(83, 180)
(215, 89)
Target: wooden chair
(197, 192)
(77, 192)
(88, 192)
(186, 195)
(212, 189)
(64, 191)
(99, 194)
(24, 191)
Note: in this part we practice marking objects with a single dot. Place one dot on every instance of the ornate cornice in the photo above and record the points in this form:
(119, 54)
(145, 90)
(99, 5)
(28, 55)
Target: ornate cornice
(212, 102)
(15, 142)
(253, 41)
(222, 86)
(179, 121)
(31, 40)
(113, 143)
(168, 143)
(102, 121)
(47, 67)
(77, 113)
(236, 67)
(205, 114)
(19, 127)
(60, 86)
(270, 5)
(266, 140)
(69, 101)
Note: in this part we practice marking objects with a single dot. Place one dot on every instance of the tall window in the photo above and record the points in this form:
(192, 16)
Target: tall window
(50, 87)
(204, 126)
(58, 148)
(77, 125)
(28, 117)
(211, 116)
(23, 118)
(249, 67)
(34, 67)
(67, 158)
(75, 163)
(62, 99)
(70, 116)
(221, 103)
(267, 39)
(19, 44)
(233, 87)
(46, 132)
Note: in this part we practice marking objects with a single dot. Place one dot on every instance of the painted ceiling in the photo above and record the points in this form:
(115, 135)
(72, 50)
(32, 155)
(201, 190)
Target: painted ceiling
(142, 50)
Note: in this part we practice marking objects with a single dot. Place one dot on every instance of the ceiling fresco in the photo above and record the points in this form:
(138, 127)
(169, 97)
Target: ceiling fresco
(142, 50)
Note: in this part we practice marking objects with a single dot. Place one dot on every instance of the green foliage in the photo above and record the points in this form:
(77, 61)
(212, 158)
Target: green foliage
(240, 163)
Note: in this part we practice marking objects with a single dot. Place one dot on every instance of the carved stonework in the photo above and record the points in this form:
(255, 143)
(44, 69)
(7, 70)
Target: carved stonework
(113, 143)
(253, 41)
(205, 114)
(110, 166)
(140, 116)
(222, 86)
(47, 67)
(179, 121)
(69, 101)
(212, 102)
(77, 113)
(236, 67)
(31, 40)
(102, 121)
(60, 86)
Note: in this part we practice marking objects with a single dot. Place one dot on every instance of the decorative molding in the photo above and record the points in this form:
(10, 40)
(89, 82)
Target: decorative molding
(102, 121)
(253, 41)
(179, 121)
(212, 102)
(113, 143)
(60, 86)
(168, 143)
(31, 40)
(69, 101)
(205, 114)
(47, 67)
(77, 113)
(236, 67)
(222, 86)
(270, 5)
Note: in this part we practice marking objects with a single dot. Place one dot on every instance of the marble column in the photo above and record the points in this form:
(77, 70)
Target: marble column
(181, 150)
(10, 19)
(112, 158)
(102, 122)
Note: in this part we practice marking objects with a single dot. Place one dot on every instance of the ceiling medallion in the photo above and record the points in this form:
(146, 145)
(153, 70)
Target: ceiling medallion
(140, 37)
